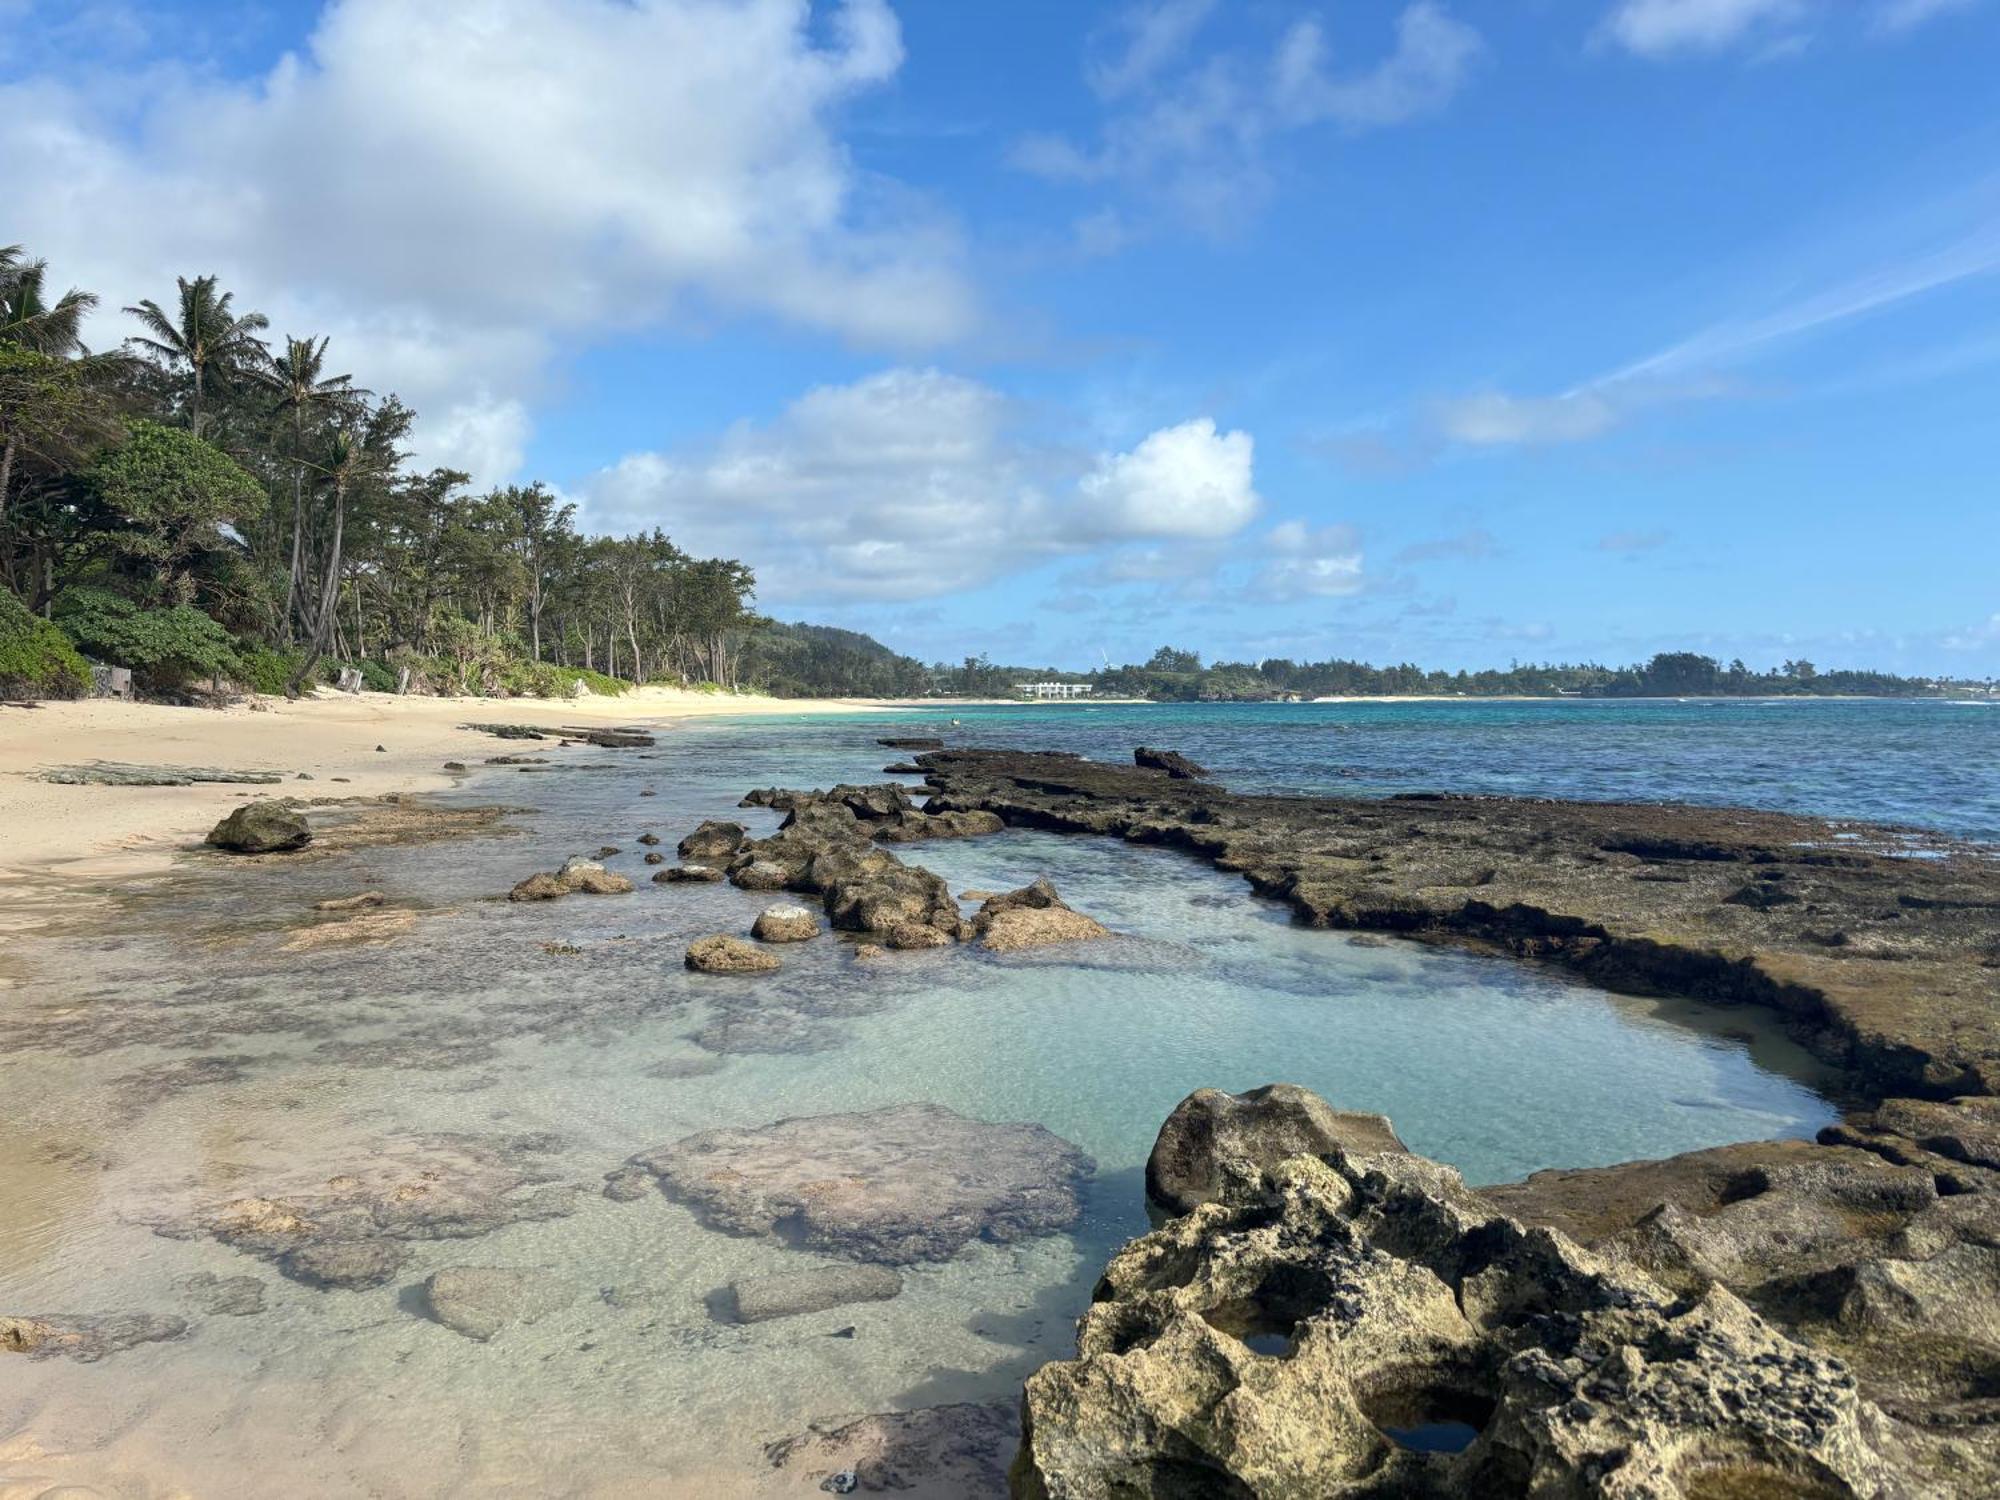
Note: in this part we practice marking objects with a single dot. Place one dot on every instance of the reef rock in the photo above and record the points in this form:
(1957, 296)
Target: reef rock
(1032, 917)
(1172, 762)
(1363, 1325)
(784, 924)
(890, 1186)
(82, 1337)
(261, 828)
(688, 875)
(1213, 1138)
(728, 955)
(757, 1299)
(576, 874)
(712, 840)
(933, 1453)
(479, 1301)
(344, 1265)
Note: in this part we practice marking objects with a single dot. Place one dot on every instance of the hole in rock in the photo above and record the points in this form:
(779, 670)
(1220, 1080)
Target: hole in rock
(1428, 1418)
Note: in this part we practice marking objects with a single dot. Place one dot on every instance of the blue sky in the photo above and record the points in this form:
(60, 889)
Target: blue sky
(1421, 331)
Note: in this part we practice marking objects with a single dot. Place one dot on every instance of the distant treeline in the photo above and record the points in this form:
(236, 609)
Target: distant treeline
(1179, 676)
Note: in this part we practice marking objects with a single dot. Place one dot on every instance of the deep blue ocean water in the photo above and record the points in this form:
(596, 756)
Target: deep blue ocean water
(1927, 763)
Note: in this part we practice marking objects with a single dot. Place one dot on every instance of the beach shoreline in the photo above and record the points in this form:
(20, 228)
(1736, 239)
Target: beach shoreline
(58, 840)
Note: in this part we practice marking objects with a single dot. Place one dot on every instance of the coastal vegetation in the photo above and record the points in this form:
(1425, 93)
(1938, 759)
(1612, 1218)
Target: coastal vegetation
(208, 506)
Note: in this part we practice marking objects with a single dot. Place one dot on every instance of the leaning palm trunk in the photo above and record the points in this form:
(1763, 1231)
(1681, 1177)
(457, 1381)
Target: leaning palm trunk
(323, 617)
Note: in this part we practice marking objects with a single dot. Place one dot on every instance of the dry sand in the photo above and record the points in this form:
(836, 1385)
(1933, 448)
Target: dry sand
(55, 840)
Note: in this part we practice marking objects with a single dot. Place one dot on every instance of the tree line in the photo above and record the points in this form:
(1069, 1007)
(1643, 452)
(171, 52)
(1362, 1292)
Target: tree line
(207, 501)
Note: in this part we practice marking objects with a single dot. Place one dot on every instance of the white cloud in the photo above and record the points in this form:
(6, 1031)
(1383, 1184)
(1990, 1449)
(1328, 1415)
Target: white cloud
(461, 188)
(912, 483)
(1677, 28)
(1491, 418)
(1662, 28)
(1185, 481)
(1978, 637)
(1308, 563)
(1193, 130)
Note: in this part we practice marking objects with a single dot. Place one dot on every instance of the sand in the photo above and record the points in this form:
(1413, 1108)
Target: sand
(58, 840)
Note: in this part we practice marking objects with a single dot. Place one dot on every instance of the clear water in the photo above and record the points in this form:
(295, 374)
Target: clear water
(349, 1058)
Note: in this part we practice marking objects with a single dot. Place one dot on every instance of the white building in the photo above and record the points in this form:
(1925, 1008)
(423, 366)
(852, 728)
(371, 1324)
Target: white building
(1053, 689)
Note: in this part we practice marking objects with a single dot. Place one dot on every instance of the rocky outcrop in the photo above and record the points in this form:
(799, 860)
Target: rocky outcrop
(1212, 1138)
(1172, 762)
(479, 1301)
(784, 924)
(1884, 964)
(688, 875)
(261, 828)
(720, 954)
(577, 874)
(1359, 1323)
(120, 773)
(911, 742)
(712, 840)
(914, 827)
(1032, 917)
(890, 1186)
(789, 1294)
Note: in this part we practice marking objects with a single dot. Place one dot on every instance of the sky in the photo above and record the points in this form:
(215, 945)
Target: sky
(1409, 330)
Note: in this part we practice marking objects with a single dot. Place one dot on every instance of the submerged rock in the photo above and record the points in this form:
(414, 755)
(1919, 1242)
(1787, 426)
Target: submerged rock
(350, 903)
(757, 1299)
(1213, 1138)
(933, 1453)
(728, 955)
(479, 1301)
(1350, 1324)
(911, 742)
(261, 828)
(1033, 917)
(892, 1186)
(344, 1265)
(83, 1337)
(223, 1296)
(784, 924)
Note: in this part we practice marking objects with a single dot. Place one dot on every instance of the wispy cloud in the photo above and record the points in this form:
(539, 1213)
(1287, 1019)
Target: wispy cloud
(1633, 542)
(1663, 29)
(1190, 128)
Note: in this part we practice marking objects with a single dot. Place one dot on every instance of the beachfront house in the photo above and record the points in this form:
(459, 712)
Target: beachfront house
(1053, 689)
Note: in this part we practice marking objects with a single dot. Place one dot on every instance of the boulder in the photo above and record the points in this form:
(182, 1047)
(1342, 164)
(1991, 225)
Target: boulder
(1172, 762)
(888, 1186)
(785, 924)
(689, 874)
(541, 887)
(712, 840)
(911, 827)
(261, 828)
(908, 935)
(479, 1301)
(649, 839)
(902, 768)
(757, 1299)
(728, 955)
(761, 875)
(1032, 917)
(591, 878)
(1213, 1138)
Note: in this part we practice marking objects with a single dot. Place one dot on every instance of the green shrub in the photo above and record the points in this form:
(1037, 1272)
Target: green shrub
(597, 682)
(36, 659)
(376, 676)
(166, 648)
(533, 679)
(263, 670)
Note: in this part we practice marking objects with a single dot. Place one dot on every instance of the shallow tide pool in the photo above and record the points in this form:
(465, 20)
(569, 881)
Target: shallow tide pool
(192, 1058)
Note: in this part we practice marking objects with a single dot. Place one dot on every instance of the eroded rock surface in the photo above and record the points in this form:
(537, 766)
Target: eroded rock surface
(784, 923)
(721, 954)
(892, 1186)
(1212, 1137)
(952, 1452)
(1033, 917)
(1330, 1318)
(757, 1299)
(479, 1301)
(84, 1337)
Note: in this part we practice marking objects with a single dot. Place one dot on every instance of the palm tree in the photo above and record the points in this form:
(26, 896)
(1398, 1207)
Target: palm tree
(303, 390)
(27, 321)
(216, 348)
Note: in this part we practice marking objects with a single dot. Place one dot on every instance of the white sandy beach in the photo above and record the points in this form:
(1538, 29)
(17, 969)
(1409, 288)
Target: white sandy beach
(95, 833)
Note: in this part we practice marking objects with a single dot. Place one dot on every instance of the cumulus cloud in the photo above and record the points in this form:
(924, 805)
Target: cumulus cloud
(1978, 637)
(914, 483)
(1185, 481)
(1193, 128)
(458, 190)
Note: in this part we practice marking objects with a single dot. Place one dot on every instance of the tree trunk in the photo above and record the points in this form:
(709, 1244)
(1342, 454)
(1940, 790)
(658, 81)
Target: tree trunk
(323, 620)
(7, 472)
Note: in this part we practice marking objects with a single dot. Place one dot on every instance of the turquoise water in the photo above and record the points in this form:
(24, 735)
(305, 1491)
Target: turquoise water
(568, 1037)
